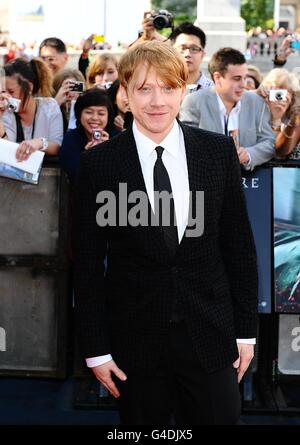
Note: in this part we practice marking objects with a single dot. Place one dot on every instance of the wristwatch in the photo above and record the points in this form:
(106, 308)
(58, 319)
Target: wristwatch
(45, 144)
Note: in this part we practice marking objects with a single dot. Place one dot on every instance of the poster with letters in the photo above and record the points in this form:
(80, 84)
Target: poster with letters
(257, 188)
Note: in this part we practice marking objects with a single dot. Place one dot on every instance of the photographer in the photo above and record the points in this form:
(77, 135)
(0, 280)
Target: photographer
(64, 83)
(280, 90)
(35, 122)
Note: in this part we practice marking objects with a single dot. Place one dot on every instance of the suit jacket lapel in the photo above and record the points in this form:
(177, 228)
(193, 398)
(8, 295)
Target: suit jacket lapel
(243, 118)
(213, 109)
(196, 163)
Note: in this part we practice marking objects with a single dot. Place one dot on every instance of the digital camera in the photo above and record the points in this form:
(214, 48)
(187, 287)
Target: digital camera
(162, 19)
(277, 95)
(97, 133)
(13, 104)
(77, 86)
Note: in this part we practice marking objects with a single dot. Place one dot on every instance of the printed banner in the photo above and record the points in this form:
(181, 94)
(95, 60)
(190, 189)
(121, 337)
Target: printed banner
(257, 187)
(286, 192)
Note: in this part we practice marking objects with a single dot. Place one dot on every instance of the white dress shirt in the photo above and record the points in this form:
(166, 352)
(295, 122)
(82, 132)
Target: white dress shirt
(174, 159)
(232, 122)
(232, 118)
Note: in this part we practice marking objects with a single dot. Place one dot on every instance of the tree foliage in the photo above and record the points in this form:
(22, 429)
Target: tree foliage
(182, 10)
(257, 13)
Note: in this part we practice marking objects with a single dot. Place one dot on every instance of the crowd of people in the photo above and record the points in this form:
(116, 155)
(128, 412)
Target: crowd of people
(235, 99)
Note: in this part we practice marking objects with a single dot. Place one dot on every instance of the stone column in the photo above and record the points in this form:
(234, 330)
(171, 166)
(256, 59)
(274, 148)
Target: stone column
(222, 23)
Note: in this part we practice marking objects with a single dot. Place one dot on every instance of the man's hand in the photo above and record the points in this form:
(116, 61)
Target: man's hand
(150, 32)
(103, 374)
(246, 353)
(243, 155)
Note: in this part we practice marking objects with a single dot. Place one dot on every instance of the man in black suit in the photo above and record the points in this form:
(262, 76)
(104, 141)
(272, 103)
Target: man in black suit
(170, 327)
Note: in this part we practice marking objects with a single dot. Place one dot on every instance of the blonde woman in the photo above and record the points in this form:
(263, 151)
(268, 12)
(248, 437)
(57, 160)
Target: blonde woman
(280, 105)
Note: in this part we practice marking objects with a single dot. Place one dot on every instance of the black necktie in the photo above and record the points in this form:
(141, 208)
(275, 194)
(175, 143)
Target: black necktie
(226, 125)
(162, 183)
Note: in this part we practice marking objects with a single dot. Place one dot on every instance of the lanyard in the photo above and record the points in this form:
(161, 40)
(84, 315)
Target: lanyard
(20, 131)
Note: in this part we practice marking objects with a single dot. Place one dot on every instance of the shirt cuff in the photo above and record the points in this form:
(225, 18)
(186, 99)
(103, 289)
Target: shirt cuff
(246, 341)
(92, 362)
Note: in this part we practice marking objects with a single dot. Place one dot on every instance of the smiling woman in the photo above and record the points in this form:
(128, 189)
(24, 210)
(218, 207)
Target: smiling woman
(94, 124)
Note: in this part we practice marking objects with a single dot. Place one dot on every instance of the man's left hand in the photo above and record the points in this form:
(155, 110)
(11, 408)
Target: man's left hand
(243, 155)
(246, 353)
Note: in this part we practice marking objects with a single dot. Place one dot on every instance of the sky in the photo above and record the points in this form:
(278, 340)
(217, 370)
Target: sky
(77, 19)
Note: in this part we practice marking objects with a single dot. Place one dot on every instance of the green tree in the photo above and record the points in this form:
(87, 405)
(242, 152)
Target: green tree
(257, 13)
(182, 10)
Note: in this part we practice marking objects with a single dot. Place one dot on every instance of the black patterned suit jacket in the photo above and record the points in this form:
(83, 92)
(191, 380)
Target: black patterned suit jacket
(127, 311)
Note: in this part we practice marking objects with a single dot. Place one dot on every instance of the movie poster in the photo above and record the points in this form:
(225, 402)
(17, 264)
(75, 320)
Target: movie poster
(286, 197)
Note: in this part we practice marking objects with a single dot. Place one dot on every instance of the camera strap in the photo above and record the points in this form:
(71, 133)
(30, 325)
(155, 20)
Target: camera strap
(20, 131)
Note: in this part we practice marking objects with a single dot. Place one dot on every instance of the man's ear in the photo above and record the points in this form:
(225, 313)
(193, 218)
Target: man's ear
(216, 77)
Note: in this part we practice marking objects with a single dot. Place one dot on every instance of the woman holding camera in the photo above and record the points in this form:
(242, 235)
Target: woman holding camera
(68, 84)
(35, 122)
(94, 124)
(280, 89)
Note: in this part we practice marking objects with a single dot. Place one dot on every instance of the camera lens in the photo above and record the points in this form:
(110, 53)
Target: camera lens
(160, 22)
(278, 96)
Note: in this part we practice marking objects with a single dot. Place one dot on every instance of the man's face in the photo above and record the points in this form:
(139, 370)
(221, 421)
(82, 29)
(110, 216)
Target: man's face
(55, 60)
(191, 49)
(231, 86)
(153, 103)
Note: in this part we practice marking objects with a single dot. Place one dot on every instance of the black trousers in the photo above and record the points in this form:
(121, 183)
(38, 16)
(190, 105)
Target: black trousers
(181, 392)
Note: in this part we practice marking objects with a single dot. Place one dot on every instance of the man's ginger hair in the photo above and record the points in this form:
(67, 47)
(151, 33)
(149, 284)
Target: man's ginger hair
(168, 63)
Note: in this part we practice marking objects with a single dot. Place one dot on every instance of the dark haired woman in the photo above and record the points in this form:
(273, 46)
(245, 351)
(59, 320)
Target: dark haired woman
(94, 116)
(38, 125)
(122, 114)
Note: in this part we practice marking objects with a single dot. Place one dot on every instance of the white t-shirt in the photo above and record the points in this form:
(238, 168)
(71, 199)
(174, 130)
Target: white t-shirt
(48, 122)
